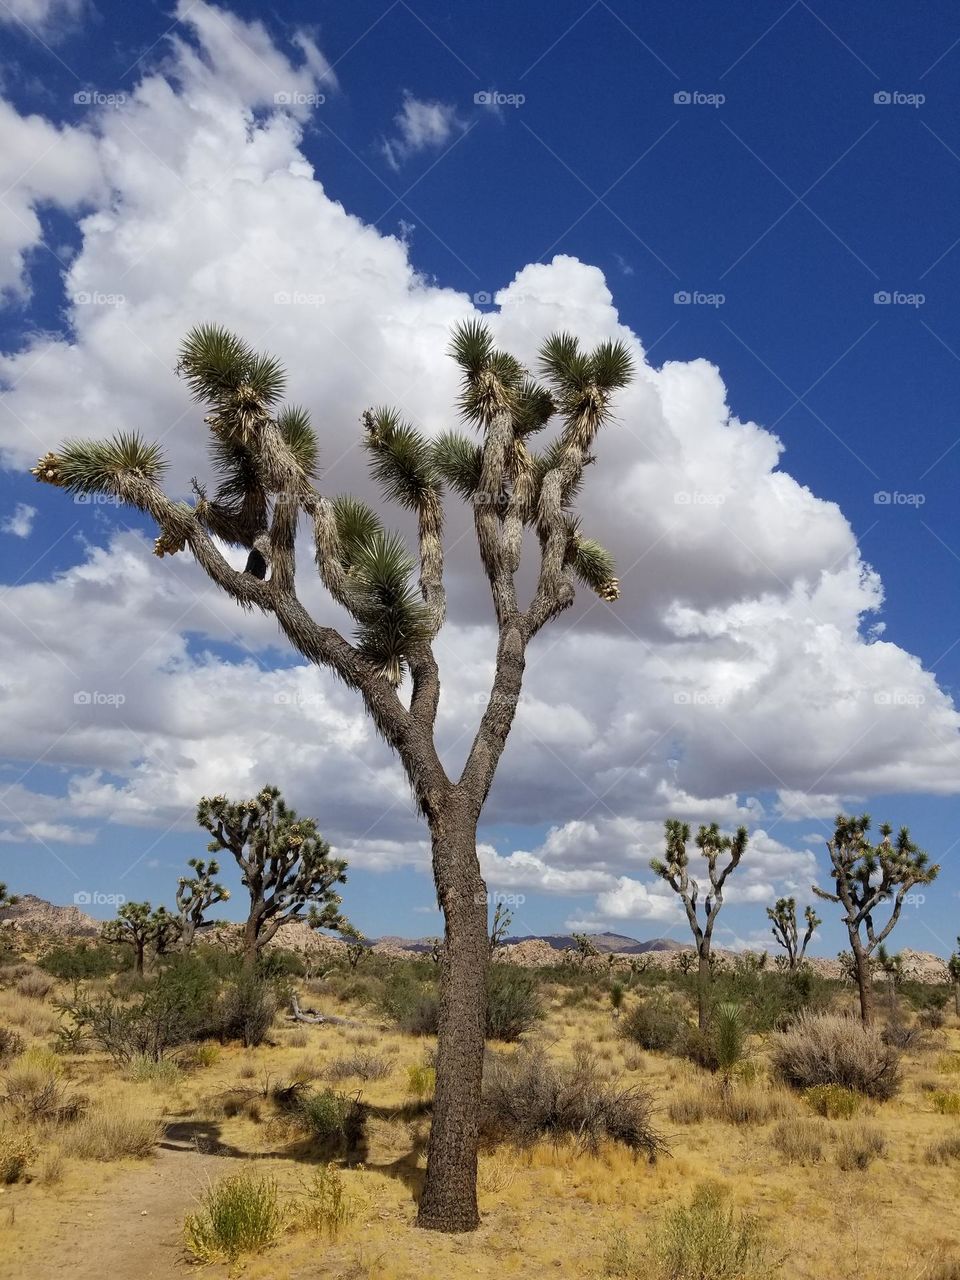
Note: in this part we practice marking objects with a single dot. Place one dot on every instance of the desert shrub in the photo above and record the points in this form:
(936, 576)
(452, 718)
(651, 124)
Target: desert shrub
(947, 1104)
(165, 1074)
(720, 1046)
(50, 1172)
(931, 1019)
(84, 960)
(798, 1141)
(730, 1102)
(326, 1206)
(527, 1096)
(949, 1063)
(241, 1214)
(828, 1049)
(335, 1121)
(658, 1023)
(362, 1065)
(902, 1036)
(421, 1079)
(513, 1002)
(859, 1146)
(35, 985)
(205, 1054)
(113, 1132)
(34, 1091)
(414, 1005)
(833, 1101)
(945, 1151)
(277, 962)
(707, 1240)
(246, 1010)
(17, 1149)
(11, 1044)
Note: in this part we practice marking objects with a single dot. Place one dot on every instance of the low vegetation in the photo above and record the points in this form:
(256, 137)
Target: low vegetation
(828, 1049)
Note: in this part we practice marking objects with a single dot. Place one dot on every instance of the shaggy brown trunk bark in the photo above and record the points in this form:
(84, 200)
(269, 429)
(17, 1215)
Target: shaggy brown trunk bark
(449, 1198)
(703, 993)
(138, 951)
(249, 949)
(862, 965)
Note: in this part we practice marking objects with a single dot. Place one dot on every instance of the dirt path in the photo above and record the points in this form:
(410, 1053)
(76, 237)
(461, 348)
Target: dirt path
(130, 1228)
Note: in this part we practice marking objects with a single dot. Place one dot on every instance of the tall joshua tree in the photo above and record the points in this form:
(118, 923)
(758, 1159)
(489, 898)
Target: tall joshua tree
(196, 894)
(675, 869)
(867, 876)
(285, 865)
(785, 929)
(266, 457)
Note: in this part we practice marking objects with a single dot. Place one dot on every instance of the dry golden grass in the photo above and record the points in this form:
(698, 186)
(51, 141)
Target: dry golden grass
(549, 1210)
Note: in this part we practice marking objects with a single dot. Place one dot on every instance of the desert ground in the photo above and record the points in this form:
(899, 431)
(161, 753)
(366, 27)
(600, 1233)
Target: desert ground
(867, 1195)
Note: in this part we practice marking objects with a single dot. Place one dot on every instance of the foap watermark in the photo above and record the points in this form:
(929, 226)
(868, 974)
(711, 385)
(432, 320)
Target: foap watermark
(296, 98)
(898, 698)
(894, 498)
(95, 298)
(695, 298)
(95, 98)
(496, 699)
(897, 298)
(297, 698)
(694, 98)
(96, 499)
(96, 698)
(496, 898)
(296, 298)
(894, 98)
(698, 698)
(94, 898)
(698, 498)
(493, 98)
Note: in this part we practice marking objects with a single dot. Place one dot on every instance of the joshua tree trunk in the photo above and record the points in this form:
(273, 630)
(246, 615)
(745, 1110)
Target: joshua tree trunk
(251, 948)
(861, 964)
(449, 1200)
(139, 949)
(703, 990)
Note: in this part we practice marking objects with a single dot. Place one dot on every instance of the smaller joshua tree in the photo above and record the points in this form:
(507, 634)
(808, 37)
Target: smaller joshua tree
(500, 926)
(132, 928)
(675, 869)
(866, 876)
(196, 894)
(6, 899)
(953, 968)
(164, 931)
(785, 929)
(285, 865)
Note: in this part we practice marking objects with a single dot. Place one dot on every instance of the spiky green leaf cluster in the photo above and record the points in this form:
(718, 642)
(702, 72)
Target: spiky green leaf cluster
(298, 435)
(493, 379)
(595, 567)
(223, 372)
(99, 466)
(459, 461)
(401, 460)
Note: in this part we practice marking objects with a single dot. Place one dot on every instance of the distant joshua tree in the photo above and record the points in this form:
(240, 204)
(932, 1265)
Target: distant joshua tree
(500, 926)
(285, 865)
(6, 899)
(953, 967)
(783, 914)
(132, 928)
(867, 876)
(582, 950)
(196, 894)
(266, 457)
(675, 870)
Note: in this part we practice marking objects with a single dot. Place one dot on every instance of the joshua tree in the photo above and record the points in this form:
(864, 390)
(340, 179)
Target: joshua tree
(356, 950)
(6, 899)
(133, 927)
(953, 967)
(865, 877)
(285, 865)
(891, 964)
(684, 962)
(617, 991)
(784, 916)
(164, 931)
(499, 926)
(196, 894)
(267, 460)
(582, 950)
(675, 869)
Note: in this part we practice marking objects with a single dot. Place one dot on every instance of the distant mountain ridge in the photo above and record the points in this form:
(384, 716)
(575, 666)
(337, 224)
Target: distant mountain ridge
(604, 942)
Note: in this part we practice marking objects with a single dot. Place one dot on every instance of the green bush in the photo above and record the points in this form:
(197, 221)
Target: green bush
(335, 1121)
(414, 1005)
(513, 1002)
(327, 1208)
(658, 1023)
(84, 960)
(246, 1010)
(241, 1214)
(833, 1101)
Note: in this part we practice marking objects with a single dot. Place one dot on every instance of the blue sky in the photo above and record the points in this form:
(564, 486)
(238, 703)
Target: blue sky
(784, 167)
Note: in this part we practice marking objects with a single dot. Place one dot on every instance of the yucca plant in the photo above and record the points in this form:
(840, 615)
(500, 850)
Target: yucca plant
(265, 462)
(866, 878)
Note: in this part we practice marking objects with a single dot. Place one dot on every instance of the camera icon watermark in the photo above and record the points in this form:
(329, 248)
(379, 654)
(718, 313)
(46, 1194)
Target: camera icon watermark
(94, 898)
(295, 98)
(897, 298)
(94, 98)
(694, 98)
(695, 298)
(894, 98)
(894, 498)
(95, 698)
(492, 98)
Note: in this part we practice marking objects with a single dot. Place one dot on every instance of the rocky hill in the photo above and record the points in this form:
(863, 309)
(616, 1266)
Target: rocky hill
(38, 915)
